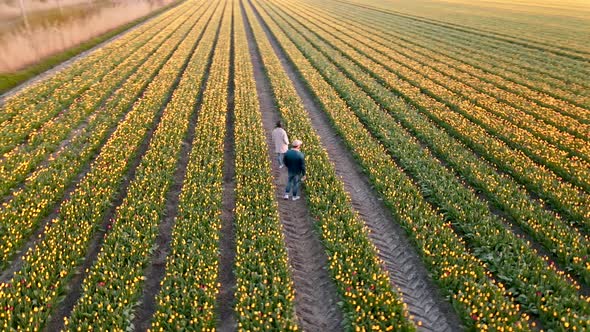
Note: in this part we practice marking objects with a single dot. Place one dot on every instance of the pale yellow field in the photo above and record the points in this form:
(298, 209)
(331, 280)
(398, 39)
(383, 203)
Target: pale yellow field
(561, 23)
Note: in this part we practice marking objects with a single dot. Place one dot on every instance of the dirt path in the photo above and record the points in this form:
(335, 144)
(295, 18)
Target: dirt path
(315, 293)
(404, 265)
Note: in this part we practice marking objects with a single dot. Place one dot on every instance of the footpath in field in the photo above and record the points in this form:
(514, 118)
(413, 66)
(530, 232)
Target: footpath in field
(316, 295)
(478, 233)
(145, 191)
(404, 266)
(383, 127)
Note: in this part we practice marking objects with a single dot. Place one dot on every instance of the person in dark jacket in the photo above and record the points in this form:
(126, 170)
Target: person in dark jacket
(294, 159)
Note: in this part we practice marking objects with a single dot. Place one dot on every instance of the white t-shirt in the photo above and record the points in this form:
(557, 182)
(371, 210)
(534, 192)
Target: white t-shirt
(279, 137)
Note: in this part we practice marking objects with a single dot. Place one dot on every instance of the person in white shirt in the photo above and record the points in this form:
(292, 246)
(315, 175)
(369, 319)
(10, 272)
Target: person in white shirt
(281, 141)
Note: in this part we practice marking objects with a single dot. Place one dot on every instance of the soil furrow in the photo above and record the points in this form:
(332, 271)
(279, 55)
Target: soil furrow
(38, 235)
(75, 289)
(81, 125)
(395, 249)
(535, 46)
(509, 222)
(157, 268)
(227, 241)
(316, 296)
(74, 292)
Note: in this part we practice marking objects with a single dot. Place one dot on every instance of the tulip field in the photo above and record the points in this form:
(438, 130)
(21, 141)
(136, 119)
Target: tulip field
(448, 175)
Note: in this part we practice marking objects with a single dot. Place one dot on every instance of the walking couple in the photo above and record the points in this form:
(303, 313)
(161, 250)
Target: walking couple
(292, 158)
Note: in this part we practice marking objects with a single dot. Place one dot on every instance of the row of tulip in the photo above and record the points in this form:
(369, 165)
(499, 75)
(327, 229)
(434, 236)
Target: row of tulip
(461, 274)
(45, 187)
(544, 71)
(532, 80)
(519, 36)
(563, 196)
(27, 299)
(28, 120)
(523, 101)
(571, 168)
(32, 99)
(567, 243)
(17, 163)
(264, 289)
(562, 131)
(559, 65)
(112, 287)
(522, 35)
(527, 101)
(561, 152)
(516, 75)
(190, 286)
(472, 218)
(559, 94)
(369, 301)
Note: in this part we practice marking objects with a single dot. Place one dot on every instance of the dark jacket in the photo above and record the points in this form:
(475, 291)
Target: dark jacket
(295, 162)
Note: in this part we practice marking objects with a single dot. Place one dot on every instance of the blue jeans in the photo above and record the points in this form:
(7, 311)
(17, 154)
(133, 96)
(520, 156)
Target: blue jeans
(280, 158)
(293, 181)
